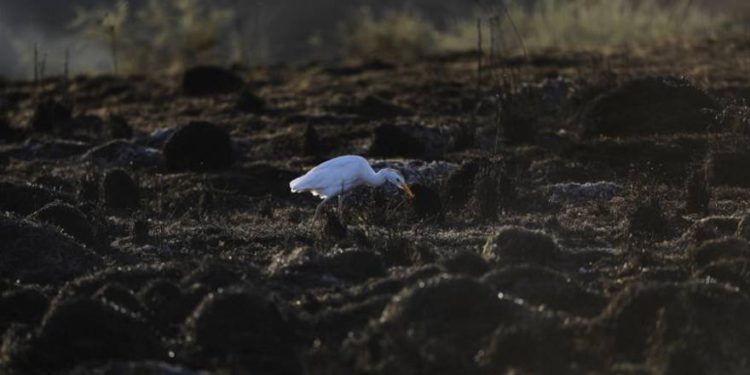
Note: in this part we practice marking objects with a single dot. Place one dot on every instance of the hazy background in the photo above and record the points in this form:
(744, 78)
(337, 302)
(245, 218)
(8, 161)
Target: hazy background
(269, 31)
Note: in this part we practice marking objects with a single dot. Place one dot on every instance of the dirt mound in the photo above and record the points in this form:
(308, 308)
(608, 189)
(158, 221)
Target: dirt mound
(307, 265)
(210, 80)
(249, 102)
(436, 327)
(676, 328)
(728, 169)
(427, 203)
(698, 192)
(198, 146)
(648, 219)
(122, 297)
(168, 304)
(26, 305)
(82, 330)
(460, 184)
(543, 286)
(119, 191)
(117, 127)
(649, 105)
(51, 115)
(134, 368)
(244, 327)
(735, 272)
(536, 346)
(33, 253)
(521, 245)
(26, 198)
(466, 262)
(724, 248)
(71, 220)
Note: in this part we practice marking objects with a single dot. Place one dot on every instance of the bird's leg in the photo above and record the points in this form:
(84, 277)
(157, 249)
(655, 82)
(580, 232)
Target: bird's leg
(341, 208)
(341, 202)
(319, 208)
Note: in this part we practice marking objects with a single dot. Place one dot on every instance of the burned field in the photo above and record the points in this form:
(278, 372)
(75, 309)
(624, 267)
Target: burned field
(574, 213)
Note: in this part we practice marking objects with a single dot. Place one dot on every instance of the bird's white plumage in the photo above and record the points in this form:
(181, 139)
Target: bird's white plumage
(338, 175)
(333, 177)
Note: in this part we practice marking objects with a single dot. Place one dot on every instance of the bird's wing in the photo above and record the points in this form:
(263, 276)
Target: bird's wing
(342, 170)
(341, 162)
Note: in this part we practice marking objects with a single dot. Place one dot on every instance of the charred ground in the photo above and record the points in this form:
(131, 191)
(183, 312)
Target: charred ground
(574, 213)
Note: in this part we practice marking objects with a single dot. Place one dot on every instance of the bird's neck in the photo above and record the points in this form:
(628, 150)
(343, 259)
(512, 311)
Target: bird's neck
(374, 179)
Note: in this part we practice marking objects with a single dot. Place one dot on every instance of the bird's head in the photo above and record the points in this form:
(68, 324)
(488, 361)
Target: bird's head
(393, 176)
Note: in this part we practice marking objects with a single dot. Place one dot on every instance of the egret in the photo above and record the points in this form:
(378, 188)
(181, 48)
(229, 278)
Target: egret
(336, 176)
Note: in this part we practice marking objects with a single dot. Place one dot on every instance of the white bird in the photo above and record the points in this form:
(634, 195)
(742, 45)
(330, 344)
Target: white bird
(338, 175)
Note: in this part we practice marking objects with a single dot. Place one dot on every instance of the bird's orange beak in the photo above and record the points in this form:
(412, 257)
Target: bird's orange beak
(407, 190)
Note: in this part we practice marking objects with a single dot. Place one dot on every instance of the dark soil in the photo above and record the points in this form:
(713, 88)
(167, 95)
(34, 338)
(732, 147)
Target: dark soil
(581, 217)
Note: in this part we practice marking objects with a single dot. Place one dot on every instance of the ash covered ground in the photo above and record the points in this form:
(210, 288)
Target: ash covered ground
(574, 213)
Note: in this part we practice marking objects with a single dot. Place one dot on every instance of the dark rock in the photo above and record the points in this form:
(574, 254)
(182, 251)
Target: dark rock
(724, 248)
(698, 193)
(249, 102)
(51, 115)
(521, 245)
(728, 169)
(700, 324)
(25, 199)
(648, 218)
(466, 262)
(244, 327)
(311, 144)
(118, 128)
(543, 286)
(210, 80)
(649, 105)
(198, 146)
(408, 141)
(71, 220)
(38, 254)
(24, 305)
(81, 330)
(119, 191)
(427, 203)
